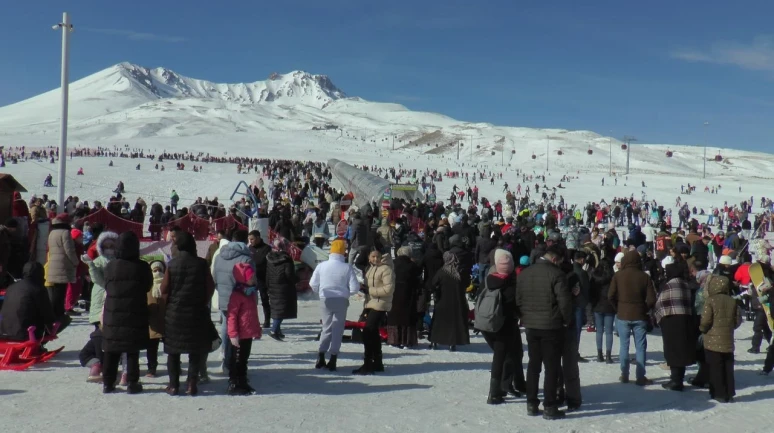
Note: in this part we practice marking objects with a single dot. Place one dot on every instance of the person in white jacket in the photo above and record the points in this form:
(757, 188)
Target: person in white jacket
(334, 281)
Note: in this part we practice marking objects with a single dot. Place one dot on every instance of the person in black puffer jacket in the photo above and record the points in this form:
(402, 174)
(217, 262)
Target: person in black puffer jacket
(281, 285)
(507, 374)
(604, 313)
(187, 288)
(125, 321)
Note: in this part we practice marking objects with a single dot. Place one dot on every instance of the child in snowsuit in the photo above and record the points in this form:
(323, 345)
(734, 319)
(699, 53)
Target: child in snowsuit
(156, 307)
(721, 316)
(243, 327)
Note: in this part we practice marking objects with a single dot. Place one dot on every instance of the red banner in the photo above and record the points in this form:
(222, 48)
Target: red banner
(114, 223)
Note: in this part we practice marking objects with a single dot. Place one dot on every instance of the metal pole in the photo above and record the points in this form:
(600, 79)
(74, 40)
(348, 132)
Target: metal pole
(471, 147)
(704, 175)
(611, 153)
(60, 187)
(548, 140)
(458, 148)
(628, 153)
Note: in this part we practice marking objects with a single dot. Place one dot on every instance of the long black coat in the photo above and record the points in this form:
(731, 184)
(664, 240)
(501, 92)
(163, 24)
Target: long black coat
(26, 304)
(127, 283)
(408, 286)
(432, 262)
(187, 324)
(450, 316)
(679, 337)
(281, 285)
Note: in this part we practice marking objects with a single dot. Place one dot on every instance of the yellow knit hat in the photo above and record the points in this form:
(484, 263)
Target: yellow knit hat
(338, 247)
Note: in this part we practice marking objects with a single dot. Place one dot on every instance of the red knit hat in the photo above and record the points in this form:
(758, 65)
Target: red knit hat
(75, 234)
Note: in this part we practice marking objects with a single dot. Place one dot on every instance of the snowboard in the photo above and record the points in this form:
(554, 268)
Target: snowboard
(760, 282)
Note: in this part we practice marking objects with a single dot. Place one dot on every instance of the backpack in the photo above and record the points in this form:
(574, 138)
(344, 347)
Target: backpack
(489, 310)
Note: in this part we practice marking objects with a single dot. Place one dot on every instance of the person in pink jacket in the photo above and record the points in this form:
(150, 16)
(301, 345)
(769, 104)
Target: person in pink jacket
(243, 326)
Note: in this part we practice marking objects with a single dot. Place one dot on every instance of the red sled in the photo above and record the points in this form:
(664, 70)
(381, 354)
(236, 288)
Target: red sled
(21, 355)
(350, 325)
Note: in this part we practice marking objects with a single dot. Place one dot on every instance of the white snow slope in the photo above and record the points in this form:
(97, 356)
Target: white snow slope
(127, 101)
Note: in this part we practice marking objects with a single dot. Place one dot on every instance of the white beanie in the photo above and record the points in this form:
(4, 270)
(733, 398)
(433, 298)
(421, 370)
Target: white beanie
(619, 257)
(725, 260)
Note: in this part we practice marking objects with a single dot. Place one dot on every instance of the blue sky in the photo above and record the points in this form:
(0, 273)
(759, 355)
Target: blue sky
(656, 70)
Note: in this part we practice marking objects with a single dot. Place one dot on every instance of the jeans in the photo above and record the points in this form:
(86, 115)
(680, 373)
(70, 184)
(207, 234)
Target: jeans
(580, 320)
(604, 326)
(225, 345)
(625, 330)
(275, 326)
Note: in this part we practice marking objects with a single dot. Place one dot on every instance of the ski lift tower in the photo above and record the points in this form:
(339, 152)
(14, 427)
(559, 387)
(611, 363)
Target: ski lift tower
(628, 140)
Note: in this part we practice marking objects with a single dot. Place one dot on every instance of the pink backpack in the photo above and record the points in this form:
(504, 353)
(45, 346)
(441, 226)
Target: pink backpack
(243, 273)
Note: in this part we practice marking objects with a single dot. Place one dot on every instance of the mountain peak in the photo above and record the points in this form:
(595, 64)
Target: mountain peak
(295, 87)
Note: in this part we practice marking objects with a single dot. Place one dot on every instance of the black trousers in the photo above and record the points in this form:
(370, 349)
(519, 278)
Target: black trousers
(238, 362)
(544, 348)
(110, 367)
(569, 375)
(721, 374)
(264, 293)
(768, 364)
(677, 374)
(760, 329)
(173, 366)
(507, 358)
(372, 341)
(57, 295)
(153, 355)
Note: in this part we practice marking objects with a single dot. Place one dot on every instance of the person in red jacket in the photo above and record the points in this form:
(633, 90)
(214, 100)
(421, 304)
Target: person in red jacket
(243, 326)
(74, 289)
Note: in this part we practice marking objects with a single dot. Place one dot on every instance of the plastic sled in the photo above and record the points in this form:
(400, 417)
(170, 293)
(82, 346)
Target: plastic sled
(357, 328)
(21, 355)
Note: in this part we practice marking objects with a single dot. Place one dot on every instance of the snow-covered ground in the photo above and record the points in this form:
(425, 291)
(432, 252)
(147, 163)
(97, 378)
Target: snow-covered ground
(420, 391)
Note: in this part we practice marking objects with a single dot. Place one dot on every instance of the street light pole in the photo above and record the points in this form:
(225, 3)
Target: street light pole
(704, 175)
(66, 28)
(548, 140)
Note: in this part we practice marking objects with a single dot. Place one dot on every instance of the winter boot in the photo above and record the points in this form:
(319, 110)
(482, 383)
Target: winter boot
(599, 356)
(108, 388)
(608, 358)
(581, 359)
(378, 365)
(495, 393)
(320, 361)
(366, 369)
(267, 317)
(193, 388)
(134, 388)
(533, 409)
(246, 385)
(172, 390)
(552, 413)
(235, 388)
(95, 373)
(332, 363)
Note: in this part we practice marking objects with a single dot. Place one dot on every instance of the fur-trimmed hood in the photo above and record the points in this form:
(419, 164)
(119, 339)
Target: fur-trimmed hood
(103, 237)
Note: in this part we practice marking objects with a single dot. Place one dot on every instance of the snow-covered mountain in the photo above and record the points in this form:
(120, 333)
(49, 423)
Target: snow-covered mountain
(131, 102)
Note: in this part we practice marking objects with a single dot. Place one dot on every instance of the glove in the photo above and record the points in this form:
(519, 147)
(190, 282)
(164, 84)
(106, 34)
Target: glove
(85, 258)
(234, 341)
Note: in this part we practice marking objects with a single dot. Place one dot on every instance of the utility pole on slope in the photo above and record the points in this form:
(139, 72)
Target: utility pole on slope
(628, 140)
(66, 28)
(548, 140)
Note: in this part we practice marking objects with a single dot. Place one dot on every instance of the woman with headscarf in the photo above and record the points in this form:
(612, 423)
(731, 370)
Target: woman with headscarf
(380, 286)
(128, 279)
(449, 326)
(673, 313)
(503, 341)
(402, 318)
(187, 288)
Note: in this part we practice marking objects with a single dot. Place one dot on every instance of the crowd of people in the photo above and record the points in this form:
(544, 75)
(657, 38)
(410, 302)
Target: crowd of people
(552, 268)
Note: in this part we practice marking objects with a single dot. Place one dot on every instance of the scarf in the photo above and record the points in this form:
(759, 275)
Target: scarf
(673, 300)
(450, 265)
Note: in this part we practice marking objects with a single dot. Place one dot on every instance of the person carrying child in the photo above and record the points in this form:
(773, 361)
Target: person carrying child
(243, 327)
